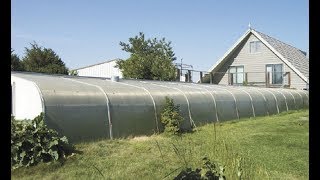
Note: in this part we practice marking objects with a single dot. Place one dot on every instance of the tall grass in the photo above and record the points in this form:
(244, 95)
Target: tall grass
(274, 147)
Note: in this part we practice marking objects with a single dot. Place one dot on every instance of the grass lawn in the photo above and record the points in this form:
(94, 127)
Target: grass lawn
(274, 147)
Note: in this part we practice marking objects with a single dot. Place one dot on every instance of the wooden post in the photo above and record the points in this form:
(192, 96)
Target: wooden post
(246, 77)
(289, 79)
(230, 79)
(201, 77)
(267, 79)
(211, 77)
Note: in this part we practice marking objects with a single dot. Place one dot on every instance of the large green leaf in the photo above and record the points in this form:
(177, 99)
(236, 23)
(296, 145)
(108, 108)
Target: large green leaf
(32, 142)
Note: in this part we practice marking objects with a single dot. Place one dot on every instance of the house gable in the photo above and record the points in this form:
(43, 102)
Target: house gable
(255, 62)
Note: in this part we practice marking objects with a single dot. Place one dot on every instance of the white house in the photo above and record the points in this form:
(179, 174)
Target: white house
(259, 59)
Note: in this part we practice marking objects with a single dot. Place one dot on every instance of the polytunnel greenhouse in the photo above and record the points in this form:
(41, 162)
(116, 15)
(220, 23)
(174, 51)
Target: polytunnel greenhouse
(88, 108)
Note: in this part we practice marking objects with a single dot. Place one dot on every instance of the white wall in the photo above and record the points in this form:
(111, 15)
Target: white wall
(26, 100)
(106, 70)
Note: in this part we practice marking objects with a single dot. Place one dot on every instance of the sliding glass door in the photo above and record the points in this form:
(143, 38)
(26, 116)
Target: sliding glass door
(276, 73)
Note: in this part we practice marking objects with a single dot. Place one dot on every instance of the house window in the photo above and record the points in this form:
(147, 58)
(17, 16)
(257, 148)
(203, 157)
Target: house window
(255, 46)
(275, 73)
(236, 74)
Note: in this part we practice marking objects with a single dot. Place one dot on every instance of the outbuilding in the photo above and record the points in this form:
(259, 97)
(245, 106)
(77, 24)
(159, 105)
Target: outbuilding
(106, 69)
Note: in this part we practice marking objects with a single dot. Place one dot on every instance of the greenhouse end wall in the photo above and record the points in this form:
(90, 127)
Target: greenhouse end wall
(85, 108)
(26, 100)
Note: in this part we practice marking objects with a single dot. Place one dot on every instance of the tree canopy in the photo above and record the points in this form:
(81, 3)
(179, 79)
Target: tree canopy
(149, 59)
(43, 60)
(16, 64)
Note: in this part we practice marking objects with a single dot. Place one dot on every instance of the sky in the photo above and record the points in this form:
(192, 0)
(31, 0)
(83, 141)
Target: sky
(88, 32)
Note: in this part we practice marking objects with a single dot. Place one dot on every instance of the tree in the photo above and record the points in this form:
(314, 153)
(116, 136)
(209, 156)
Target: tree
(43, 60)
(171, 117)
(73, 72)
(149, 59)
(16, 64)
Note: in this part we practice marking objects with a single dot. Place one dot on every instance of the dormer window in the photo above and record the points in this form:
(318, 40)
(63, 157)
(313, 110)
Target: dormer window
(255, 46)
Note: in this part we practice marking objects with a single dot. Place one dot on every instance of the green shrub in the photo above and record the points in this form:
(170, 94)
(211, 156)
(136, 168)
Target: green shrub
(171, 117)
(245, 83)
(32, 142)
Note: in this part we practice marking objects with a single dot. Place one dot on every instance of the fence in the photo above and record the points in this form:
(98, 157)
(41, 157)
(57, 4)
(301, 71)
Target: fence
(265, 79)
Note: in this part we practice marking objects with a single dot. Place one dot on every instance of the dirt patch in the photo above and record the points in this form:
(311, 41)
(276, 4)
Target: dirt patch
(304, 119)
(140, 138)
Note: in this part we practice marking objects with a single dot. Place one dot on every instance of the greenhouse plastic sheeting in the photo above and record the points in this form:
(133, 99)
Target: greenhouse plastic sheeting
(298, 99)
(90, 108)
(281, 100)
(131, 108)
(270, 99)
(73, 109)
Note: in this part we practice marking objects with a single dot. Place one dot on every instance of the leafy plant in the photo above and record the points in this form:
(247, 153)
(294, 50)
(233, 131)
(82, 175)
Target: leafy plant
(32, 142)
(188, 173)
(214, 171)
(171, 117)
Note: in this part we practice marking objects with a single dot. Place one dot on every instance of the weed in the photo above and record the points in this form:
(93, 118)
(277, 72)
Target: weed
(171, 117)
